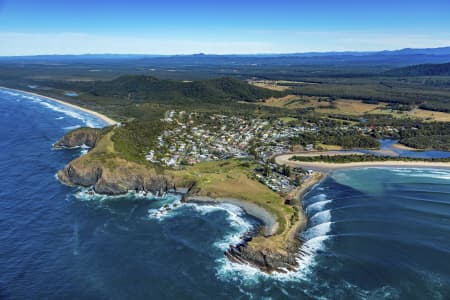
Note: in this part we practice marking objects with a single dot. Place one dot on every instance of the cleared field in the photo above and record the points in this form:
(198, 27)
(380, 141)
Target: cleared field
(320, 104)
(425, 115)
(286, 120)
(349, 107)
(328, 147)
(279, 85)
(272, 85)
(352, 108)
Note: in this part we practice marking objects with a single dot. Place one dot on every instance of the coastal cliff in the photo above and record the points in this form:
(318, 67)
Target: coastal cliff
(106, 172)
(79, 137)
(118, 177)
(274, 248)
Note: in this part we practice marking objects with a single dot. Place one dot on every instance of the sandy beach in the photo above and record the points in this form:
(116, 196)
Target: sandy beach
(269, 221)
(102, 117)
(308, 185)
(403, 147)
(324, 167)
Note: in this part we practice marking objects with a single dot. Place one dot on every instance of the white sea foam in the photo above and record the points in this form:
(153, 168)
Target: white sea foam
(65, 110)
(226, 269)
(319, 230)
(71, 127)
(423, 172)
(244, 274)
(319, 197)
(317, 206)
(314, 241)
(321, 217)
(9, 93)
(87, 194)
(87, 119)
(235, 217)
(167, 211)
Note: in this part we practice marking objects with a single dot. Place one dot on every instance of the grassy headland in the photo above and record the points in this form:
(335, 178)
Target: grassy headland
(111, 169)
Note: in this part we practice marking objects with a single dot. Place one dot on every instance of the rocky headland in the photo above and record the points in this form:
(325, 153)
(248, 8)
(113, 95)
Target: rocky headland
(273, 248)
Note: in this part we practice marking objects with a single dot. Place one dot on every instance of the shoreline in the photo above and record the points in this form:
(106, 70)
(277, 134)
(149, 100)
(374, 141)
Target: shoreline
(264, 255)
(270, 224)
(300, 194)
(326, 167)
(404, 147)
(107, 120)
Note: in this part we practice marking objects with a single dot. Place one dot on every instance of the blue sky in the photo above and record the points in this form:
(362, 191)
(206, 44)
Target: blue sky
(246, 26)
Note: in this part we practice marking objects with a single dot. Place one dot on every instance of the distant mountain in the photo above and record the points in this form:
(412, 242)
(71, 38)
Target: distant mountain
(405, 51)
(425, 51)
(402, 57)
(422, 70)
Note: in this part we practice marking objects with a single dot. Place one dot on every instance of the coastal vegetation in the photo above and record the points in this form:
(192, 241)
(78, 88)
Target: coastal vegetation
(344, 140)
(441, 142)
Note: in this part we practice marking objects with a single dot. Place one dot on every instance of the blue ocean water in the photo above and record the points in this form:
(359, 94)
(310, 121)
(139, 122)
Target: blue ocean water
(373, 233)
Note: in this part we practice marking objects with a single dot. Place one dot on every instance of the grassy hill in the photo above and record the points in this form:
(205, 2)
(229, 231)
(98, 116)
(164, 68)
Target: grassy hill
(141, 89)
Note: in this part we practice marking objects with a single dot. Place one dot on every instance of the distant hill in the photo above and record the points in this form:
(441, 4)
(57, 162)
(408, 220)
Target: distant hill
(422, 70)
(140, 88)
(402, 57)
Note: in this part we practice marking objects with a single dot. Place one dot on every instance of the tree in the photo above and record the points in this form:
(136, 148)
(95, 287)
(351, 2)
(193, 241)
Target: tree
(267, 170)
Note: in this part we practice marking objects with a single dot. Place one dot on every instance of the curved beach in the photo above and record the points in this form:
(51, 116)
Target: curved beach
(98, 115)
(268, 220)
(324, 166)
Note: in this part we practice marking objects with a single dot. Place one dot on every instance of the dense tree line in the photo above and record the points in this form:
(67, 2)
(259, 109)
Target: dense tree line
(345, 140)
(140, 88)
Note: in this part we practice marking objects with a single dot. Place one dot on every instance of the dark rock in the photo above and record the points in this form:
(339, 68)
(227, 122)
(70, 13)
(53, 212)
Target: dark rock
(266, 259)
(79, 137)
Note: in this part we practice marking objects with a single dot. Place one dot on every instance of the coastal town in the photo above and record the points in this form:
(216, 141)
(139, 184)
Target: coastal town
(191, 138)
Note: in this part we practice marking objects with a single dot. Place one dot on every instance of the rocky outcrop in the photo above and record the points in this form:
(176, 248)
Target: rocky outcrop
(73, 175)
(115, 177)
(267, 259)
(79, 137)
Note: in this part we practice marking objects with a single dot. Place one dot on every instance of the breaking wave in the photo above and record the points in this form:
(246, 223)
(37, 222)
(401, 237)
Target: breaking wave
(314, 239)
(87, 119)
(88, 194)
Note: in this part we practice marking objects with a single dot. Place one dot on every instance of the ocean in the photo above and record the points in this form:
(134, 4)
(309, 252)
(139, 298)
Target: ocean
(374, 233)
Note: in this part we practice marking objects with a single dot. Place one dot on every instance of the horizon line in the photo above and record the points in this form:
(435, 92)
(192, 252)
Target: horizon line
(228, 54)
